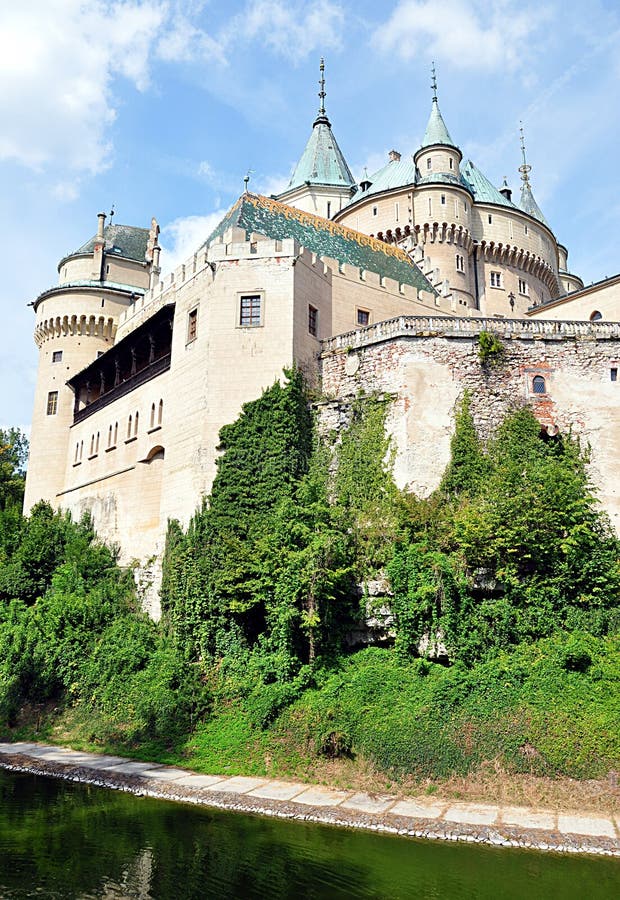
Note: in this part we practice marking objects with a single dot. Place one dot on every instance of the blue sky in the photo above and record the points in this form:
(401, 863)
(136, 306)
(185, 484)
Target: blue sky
(161, 106)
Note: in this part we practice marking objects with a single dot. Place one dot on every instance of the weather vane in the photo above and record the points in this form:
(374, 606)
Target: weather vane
(434, 82)
(111, 213)
(246, 180)
(524, 169)
(322, 86)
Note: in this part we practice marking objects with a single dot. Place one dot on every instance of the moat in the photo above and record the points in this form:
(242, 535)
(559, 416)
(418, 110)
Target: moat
(65, 840)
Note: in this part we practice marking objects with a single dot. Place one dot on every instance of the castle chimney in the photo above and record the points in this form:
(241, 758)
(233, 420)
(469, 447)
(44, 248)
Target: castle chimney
(101, 217)
(394, 156)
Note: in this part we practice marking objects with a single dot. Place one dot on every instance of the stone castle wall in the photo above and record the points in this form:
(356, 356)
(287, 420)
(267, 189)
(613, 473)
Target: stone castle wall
(424, 364)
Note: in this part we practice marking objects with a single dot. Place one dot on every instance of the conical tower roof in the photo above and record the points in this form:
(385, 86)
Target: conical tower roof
(436, 130)
(322, 161)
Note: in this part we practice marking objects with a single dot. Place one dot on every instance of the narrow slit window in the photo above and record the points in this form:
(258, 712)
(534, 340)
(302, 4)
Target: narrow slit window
(160, 414)
(192, 325)
(135, 424)
(614, 373)
(129, 424)
(313, 320)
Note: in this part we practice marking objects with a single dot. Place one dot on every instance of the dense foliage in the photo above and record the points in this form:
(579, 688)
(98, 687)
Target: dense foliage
(508, 575)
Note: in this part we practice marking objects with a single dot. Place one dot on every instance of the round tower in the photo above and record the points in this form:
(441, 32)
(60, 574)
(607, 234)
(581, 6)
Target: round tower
(75, 323)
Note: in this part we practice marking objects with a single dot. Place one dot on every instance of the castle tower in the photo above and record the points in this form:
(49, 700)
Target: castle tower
(322, 182)
(75, 323)
(442, 205)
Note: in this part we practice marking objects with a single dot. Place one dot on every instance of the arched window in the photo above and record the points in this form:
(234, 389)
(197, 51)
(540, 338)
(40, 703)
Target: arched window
(160, 414)
(92, 444)
(596, 316)
(135, 427)
(115, 433)
(129, 423)
(110, 436)
(97, 444)
(538, 385)
(81, 450)
(152, 425)
(77, 451)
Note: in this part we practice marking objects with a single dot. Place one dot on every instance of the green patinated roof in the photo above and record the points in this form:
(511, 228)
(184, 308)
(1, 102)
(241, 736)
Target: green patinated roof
(529, 205)
(122, 240)
(436, 131)
(322, 162)
(277, 221)
(483, 190)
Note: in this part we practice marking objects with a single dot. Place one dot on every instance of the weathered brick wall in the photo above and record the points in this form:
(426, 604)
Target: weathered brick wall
(425, 364)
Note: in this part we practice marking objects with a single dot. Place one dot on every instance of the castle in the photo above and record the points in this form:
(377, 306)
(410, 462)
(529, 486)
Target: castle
(380, 286)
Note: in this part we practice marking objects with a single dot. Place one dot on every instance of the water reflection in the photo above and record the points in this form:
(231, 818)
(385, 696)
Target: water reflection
(64, 840)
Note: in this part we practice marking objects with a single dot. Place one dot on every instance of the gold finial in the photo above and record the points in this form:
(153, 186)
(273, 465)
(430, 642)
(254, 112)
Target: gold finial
(434, 82)
(524, 168)
(322, 86)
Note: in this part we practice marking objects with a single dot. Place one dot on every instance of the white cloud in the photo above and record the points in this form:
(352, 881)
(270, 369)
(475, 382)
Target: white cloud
(484, 34)
(292, 30)
(182, 237)
(58, 59)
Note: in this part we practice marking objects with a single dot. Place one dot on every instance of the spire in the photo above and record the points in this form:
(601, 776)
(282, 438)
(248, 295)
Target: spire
(322, 161)
(322, 115)
(527, 202)
(436, 131)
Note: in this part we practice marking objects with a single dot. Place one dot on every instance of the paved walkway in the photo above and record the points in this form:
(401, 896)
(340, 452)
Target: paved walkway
(421, 817)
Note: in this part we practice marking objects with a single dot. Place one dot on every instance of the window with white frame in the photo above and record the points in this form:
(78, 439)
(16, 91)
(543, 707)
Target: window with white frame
(496, 279)
(460, 262)
(523, 287)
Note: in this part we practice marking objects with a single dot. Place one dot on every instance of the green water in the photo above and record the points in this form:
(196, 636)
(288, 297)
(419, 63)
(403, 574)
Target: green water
(66, 840)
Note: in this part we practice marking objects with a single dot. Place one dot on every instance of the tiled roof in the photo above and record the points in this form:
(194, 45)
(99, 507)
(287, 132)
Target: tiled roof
(436, 131)
(483, 190)
(394, 174)
(121, 240)
(322, 162)
(275, 220)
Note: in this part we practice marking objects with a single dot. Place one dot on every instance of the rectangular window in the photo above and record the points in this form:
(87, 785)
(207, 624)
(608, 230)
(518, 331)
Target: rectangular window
(496, 279)
(313, 320)
(363, 317)
(614, 374)
(396, 211)
(451, 161)
(329, 208)
(192, 325)
(443, 199)
(52, 403)
(428, 163)
(430, 206)
(57, 356)
(375, 210)
(460, 263)
(250, 310)
(525, 229)
(523, 287)
(490, 219)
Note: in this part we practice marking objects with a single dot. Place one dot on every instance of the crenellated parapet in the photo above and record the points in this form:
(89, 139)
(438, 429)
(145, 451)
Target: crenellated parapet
(73, 325)
(518, 258)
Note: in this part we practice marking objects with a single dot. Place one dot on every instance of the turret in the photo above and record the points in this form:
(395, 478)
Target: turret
(438, 154)
(75, 323)
(321, 182)
(527, 202)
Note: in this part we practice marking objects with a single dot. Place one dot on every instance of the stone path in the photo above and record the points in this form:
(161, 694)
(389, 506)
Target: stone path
(511, 826)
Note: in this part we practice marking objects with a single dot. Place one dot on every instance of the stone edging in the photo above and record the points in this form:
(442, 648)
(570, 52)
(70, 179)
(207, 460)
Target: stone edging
(419, 818)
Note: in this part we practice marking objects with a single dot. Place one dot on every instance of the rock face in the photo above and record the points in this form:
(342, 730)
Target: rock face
(566, 371)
